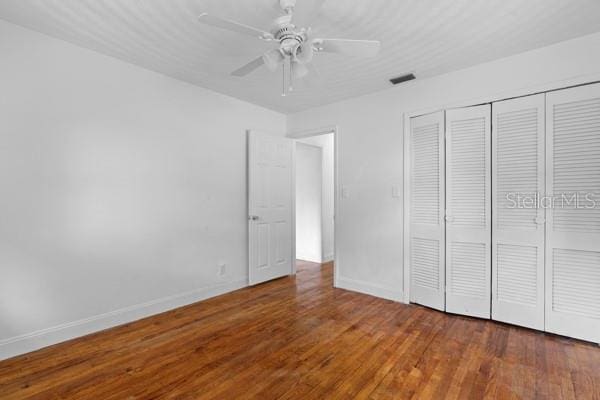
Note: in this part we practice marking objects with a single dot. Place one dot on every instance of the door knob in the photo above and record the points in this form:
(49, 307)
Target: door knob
(253, 218)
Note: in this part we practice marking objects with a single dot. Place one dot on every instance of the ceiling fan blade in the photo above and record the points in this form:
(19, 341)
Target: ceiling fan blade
(251, 66)
(234, 26)
(357, 48)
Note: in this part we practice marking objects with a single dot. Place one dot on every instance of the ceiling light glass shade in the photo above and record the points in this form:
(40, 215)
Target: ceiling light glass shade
(299, 70)
(272, 59)
(304, 53)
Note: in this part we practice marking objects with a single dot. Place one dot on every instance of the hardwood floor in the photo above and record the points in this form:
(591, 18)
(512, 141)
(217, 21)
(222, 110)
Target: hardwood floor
(298, 338)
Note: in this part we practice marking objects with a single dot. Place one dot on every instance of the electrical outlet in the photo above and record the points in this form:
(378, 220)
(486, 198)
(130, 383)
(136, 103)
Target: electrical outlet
(222, 269)
(345, 192)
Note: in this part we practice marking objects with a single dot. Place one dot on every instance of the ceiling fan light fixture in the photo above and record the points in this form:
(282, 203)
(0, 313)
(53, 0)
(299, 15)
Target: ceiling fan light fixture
(304, 53)
(299, 70)
(272, 59)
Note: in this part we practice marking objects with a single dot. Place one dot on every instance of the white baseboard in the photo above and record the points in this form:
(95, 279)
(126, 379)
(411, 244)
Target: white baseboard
(36, 340)
(369, 288)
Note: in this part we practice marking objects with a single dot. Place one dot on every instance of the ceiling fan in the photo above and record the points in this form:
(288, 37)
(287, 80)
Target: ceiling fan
(296, 46)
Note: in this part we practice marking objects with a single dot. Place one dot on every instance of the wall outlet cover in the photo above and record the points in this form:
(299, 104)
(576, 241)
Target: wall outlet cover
(345, 193)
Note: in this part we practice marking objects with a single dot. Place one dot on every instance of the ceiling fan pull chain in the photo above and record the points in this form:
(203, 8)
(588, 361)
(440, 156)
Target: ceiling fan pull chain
(291, 75)
(283, 89)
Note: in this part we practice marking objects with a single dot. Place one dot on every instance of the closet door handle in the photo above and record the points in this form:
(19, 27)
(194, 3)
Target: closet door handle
(539, 220)
(449, 218)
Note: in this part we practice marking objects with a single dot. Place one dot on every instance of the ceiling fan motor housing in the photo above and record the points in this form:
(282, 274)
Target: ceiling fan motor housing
(289, 42)
(285, 32)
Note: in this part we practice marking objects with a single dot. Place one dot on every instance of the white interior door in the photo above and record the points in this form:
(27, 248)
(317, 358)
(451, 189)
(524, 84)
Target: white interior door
(270, 191)
(573, 227)
(518, 152)
(426, 149)
(468, 219)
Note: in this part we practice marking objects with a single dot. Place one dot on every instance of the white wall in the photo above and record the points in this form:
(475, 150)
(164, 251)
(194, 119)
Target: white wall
(121, 190)
(309, 177)
(370, 149)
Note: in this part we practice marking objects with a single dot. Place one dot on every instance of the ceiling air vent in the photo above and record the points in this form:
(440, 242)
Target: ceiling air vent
(403, 78)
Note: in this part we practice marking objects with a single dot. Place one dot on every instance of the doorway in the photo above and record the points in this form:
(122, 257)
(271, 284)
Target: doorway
(315, 180)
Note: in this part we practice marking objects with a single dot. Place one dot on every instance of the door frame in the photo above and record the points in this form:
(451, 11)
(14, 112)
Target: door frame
(336, 174)
(485, 99)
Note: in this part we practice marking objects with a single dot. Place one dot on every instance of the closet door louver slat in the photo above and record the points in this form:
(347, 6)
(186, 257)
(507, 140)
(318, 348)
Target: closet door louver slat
(426, 149)
(518, 224)
(468, 224)
(573, 227)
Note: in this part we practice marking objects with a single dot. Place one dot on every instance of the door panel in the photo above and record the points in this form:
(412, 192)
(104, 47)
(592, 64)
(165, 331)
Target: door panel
(573, 226)
(518, 169)
(270, 161)
(468, 217)
(427, 210)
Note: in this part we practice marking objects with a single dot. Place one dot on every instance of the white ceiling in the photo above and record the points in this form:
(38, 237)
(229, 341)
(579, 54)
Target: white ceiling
(427, 37)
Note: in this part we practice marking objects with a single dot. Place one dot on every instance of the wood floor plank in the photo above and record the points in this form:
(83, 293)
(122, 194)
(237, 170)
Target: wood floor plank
(299, 338)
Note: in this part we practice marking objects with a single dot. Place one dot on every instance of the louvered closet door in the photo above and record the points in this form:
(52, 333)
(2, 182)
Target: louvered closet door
(518, 224)
(427, 210)
(468, 203)
(573, 230)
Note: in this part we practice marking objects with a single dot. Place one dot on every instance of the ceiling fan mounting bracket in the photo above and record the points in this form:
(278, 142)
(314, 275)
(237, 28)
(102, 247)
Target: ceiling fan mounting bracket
(287, 5)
